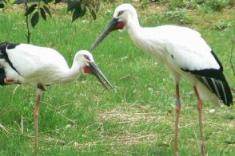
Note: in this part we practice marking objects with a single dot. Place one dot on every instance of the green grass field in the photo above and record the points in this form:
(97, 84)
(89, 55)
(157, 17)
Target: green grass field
(137, 117)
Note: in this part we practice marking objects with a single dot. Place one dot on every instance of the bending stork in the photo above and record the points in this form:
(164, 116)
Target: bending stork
(40, 66)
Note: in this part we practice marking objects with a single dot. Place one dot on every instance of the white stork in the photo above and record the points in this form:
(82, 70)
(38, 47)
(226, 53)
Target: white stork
(41, 67)
(184, 52)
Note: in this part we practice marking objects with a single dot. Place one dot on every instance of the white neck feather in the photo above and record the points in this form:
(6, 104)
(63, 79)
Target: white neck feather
(135, 31)
(74, 72)
(133, 27)
(142, 38)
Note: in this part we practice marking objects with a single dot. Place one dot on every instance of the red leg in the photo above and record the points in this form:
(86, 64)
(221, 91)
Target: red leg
(177, 110)
(36, 116)
(199, 107)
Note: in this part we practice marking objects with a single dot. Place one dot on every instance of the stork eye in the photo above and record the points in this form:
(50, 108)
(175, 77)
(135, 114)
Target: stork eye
(87, 57)
(120, 13)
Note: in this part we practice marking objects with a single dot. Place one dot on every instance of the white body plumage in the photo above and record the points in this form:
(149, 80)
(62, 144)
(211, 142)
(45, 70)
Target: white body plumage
(181, 49)
(184, 52)
(39, 65)
(178, 48)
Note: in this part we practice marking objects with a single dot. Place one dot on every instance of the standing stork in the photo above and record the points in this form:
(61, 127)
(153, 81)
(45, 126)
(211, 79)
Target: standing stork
(184, 52)
(41, 66)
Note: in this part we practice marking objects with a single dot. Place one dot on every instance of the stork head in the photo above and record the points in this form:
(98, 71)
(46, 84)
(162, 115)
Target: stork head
(123, 14)
(87, 62)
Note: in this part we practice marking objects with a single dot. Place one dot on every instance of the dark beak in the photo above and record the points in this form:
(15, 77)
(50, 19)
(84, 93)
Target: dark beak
(110, 27)
(100, 76)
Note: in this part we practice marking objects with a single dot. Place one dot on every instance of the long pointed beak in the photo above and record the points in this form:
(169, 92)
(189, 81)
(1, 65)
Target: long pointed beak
(107, 30)
(100, 76)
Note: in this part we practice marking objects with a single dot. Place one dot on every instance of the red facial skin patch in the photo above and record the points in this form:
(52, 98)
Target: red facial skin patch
(119, 25)
(8, 81)
(87, 70)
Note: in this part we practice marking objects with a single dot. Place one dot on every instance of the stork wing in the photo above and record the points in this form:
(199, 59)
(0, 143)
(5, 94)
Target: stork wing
(197, 58)
(30, 59)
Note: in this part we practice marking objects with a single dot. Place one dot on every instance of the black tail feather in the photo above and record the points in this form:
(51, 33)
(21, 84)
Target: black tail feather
(219, 87)
(215, 81)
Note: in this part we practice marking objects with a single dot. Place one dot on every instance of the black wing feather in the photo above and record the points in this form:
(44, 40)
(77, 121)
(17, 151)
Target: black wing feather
(2, 76)
(3, 53)
(215, 81)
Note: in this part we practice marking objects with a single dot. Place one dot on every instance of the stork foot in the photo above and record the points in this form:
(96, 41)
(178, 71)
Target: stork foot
(177, 153)
(203, 149)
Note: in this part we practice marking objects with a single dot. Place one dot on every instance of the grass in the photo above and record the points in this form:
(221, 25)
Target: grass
(137, 118)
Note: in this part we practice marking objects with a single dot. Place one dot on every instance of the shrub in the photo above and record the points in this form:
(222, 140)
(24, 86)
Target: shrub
(222, 25)
(178, 16)
(217, 5)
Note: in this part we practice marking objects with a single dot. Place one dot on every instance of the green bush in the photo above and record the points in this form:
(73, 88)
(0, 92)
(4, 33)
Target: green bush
(222, 25)
(177, 4)
(217, 5)
(109, 1)
(184, 3)
(214, 5)
(178, 16)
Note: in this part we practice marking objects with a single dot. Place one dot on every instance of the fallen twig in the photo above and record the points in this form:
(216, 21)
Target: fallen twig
(3, 128)
(14, 91)
(55, 141)
(22, 124)
(73, 121)
(231, 57)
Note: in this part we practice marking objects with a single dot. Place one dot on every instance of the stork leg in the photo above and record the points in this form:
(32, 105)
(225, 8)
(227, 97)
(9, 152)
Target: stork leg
(177, 110)
(39, 93)
(199, 107)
